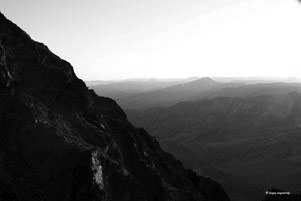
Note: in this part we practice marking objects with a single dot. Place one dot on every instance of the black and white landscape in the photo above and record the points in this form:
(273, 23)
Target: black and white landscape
(245, 136)
(159, 100)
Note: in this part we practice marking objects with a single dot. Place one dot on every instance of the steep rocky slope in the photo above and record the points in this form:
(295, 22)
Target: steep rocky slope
(60, 141)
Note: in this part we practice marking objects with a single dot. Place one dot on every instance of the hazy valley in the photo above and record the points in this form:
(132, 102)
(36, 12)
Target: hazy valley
(244, 135)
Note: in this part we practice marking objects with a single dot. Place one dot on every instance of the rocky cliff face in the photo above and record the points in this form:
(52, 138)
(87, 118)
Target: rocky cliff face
(59, 141)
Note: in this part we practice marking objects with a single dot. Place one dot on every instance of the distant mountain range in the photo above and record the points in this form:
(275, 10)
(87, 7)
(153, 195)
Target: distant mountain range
(128, 88)
(160, 94)
(140, 95)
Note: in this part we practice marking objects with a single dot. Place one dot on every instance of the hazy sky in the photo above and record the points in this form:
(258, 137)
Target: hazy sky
(113, 39)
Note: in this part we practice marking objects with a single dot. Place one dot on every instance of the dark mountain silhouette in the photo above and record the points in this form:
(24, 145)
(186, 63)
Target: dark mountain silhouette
(171, 95)
(60, 141)
(246, 143)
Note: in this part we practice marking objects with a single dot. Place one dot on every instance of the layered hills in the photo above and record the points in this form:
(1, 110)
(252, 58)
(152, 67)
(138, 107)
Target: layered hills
(164, 95)
(247, 143)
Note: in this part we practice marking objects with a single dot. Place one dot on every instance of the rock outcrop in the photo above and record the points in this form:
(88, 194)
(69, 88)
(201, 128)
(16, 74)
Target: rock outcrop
(59, 141)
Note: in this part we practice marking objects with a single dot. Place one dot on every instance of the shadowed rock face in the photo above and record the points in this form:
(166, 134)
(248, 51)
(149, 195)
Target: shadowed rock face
(60, 141)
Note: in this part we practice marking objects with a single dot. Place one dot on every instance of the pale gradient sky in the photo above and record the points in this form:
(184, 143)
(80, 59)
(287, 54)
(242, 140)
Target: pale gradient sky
(118, 39)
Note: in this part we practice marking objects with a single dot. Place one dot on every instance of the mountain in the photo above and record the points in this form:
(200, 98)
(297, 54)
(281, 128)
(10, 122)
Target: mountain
(248, 144)
(123, 89)
(197, 89)
(60, 141)
(168, 96)
(251, 90)
(146, 94)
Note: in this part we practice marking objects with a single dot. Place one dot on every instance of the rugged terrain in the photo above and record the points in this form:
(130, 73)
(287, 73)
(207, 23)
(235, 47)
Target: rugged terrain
(248, 144)
(59, 141)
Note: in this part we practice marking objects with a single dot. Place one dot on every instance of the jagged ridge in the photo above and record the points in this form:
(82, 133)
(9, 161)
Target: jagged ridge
(60, 141)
